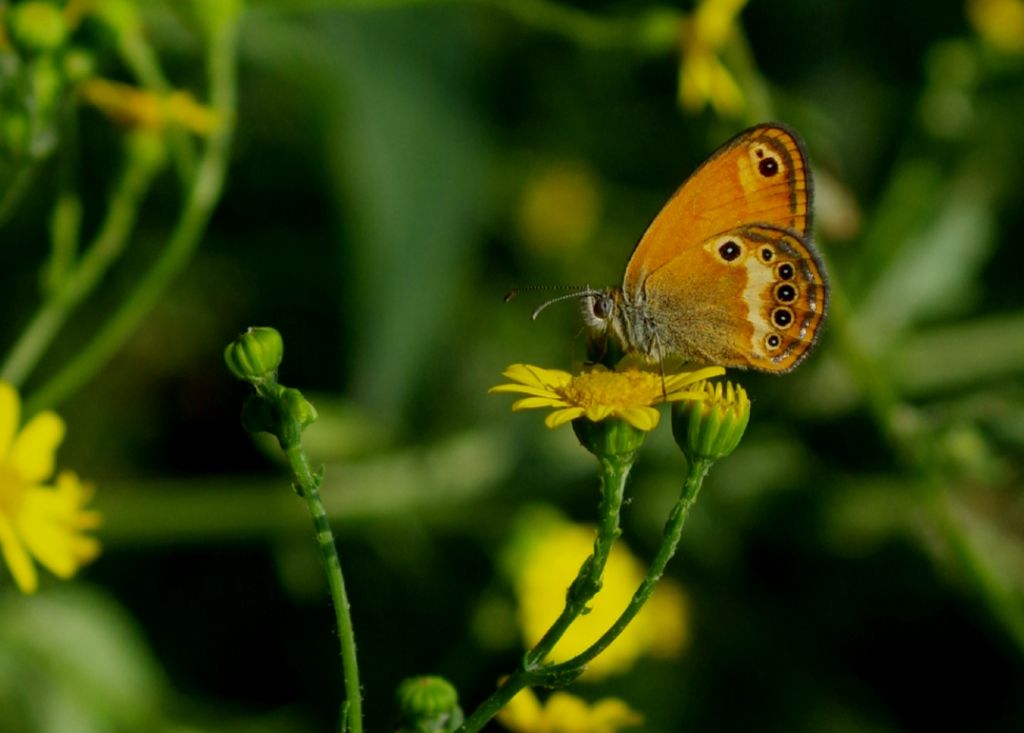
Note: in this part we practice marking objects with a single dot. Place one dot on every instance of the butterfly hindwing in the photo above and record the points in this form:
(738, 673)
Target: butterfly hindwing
(752, 297)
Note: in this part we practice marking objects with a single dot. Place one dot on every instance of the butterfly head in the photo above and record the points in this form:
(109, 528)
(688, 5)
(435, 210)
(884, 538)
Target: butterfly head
(611, 324)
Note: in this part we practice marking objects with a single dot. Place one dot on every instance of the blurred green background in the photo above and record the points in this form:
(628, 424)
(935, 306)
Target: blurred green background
(858, 563)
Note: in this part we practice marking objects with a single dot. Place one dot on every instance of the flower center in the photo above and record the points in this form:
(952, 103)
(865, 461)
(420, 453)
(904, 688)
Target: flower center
(12, 491)
(615, 389)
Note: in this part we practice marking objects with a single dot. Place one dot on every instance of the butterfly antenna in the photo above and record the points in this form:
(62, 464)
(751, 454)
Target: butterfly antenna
(580, 293)
(576, 291)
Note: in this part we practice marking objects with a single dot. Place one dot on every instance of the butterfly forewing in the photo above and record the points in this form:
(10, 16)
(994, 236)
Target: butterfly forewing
(759, 177)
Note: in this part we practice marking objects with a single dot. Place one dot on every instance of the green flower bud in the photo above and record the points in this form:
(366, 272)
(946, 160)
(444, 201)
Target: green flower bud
(37, 26)
(255, 355)
(296, 413)
(428, 705)
(711, 429)
(609, 438)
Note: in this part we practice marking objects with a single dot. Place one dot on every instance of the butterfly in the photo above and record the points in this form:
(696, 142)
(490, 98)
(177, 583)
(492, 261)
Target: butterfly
(726, 273)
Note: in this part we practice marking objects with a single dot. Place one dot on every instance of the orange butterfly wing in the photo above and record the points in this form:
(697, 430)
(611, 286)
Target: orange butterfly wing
(761, 176)
(755, 296)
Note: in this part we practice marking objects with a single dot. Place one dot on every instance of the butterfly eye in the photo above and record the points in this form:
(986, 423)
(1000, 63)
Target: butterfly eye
(767, 254)
(601, 308)
(729, 251)
(782, 317)
(785, 271)
(772, 341)
(785, 293)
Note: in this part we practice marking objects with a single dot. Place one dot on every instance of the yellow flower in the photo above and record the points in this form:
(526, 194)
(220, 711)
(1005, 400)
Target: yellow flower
(546, 558)
(565, 713)
(47, 522)
(999, 22)
(142, 108)
(601, 393)
(702, 76)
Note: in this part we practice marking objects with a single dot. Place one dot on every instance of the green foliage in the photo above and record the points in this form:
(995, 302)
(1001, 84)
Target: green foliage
(856, 564)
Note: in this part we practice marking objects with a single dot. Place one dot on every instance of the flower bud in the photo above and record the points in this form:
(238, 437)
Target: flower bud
(37, 26)
(609, 438)
(428, 705)
(711, 429)
(255, 355)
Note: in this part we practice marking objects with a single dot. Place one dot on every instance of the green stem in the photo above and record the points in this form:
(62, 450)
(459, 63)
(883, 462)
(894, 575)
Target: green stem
(517, 681)
(202, 197)
(132, 186)
(352, 715)
(669, 541)
(614, 471)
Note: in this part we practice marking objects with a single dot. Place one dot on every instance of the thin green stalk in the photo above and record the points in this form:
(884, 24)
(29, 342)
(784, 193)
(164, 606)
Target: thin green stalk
(669, 541)
(202, 197)
(614, 472)
(122, 211)
(517, 681)
(352, 711)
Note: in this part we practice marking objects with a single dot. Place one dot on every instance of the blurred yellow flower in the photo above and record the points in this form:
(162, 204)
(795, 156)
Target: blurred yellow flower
(601, 393)
(560, 208)
(703, 78)
(139, 107)
(544, 561)
(47, 522)
(999, 22)
(565, 713)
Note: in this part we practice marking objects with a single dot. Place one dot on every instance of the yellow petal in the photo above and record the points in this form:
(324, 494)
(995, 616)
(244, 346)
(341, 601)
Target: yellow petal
(17, 558)
(565, 712)
(537, 377)
(529, 403)
(10, 414)
(560, 417)
(47, 526)
(612, 714)
(597, 413)
(522, 389)
(641, 417)
(674, 381)
(34, 450)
